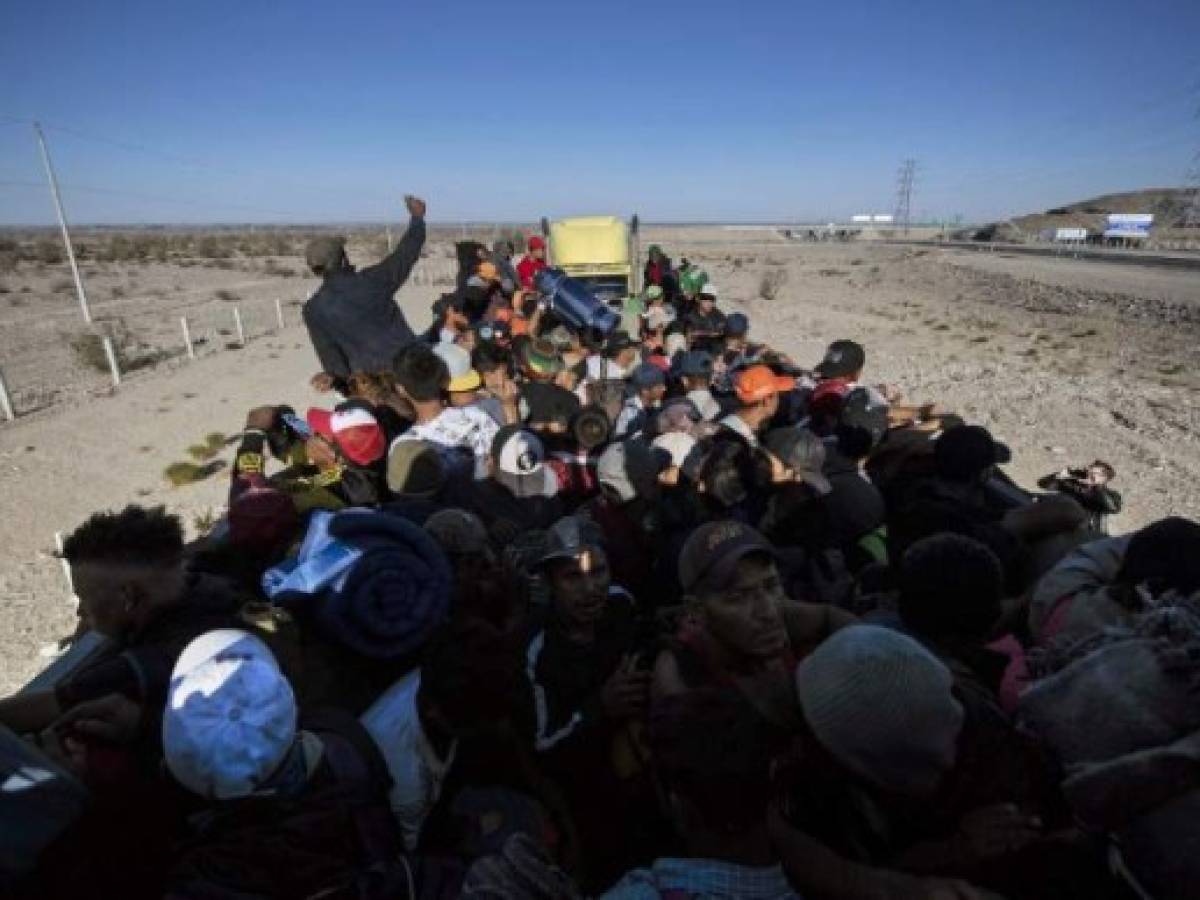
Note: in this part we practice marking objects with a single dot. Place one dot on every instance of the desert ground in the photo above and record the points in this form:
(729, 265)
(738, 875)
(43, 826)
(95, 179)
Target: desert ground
(1066, 361)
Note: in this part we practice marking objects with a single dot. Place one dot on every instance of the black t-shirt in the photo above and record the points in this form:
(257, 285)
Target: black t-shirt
(854, 504)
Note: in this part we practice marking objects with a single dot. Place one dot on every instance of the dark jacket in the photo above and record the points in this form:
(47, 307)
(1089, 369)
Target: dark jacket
(353, 320)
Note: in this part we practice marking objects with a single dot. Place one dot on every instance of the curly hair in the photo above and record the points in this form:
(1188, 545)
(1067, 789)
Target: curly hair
(135, 535)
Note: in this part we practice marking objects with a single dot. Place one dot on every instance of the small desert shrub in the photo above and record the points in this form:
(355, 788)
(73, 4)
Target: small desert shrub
(182, 473)
(62, 286)
(227, 296)
(48, 252)
(771, 283)
(213, 444)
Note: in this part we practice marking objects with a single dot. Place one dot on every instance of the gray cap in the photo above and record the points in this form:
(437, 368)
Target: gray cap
(802, 452)
(630, 469)
(325, 252)
(569, 537)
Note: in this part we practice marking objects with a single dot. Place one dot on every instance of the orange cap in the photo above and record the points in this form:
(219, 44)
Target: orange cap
(759, 382)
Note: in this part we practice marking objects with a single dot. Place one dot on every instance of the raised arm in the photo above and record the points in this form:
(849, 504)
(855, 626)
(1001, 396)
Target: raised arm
(394, 269)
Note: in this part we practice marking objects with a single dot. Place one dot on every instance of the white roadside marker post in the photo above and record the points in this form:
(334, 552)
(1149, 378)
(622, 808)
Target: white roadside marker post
(237, 321)
(5, 400)
(279, 313)
(112, 361)
(187, 337)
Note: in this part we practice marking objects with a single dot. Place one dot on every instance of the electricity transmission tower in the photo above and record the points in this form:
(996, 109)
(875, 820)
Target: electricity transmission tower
(904, 189)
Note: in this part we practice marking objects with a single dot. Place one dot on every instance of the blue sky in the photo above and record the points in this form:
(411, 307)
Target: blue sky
(752, 111)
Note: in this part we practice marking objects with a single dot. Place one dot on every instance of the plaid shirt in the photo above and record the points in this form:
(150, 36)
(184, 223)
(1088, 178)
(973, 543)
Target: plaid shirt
(702, 879)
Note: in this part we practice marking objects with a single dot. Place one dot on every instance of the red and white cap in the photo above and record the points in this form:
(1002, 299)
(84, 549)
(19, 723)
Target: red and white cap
(353, 428)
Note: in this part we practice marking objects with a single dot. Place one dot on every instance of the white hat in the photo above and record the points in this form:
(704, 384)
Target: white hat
(678, 443)
(231, 715)
(458, 361)
(709, 289)
(520, 459)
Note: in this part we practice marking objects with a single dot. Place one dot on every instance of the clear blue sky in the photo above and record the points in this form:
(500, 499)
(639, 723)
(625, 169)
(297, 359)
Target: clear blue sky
(307, 111)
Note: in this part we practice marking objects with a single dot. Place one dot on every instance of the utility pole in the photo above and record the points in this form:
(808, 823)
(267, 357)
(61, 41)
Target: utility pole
(62, 221)
(904, 188)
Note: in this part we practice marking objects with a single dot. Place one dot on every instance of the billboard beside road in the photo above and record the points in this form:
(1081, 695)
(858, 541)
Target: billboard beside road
(1128, 225)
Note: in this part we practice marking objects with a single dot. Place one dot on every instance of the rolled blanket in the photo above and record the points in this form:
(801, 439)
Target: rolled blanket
(386, 596)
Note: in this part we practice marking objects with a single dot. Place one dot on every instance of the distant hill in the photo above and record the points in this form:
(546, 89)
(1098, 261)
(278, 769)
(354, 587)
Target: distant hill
(1167, 204)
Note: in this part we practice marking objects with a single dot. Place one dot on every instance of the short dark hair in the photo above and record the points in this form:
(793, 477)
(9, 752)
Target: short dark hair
(1165, 555)
(421, 372)
(713, 749)
(487, 357)
(729, 471)
(136, 535)
(951, 585)
(470, 672)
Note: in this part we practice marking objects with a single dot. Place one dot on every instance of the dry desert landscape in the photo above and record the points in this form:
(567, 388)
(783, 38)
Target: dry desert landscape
(1065, 360)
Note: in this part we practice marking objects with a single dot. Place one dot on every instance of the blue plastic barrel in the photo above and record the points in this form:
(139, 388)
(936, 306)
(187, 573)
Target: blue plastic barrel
(574, 303)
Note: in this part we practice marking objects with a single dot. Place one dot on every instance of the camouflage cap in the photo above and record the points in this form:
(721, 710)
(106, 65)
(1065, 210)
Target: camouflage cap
(324, 252)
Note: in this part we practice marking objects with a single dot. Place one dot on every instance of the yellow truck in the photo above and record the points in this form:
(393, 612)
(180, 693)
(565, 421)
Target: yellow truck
(600, 251)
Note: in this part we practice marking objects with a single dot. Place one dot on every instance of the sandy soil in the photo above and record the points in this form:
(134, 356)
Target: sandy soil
(1064, 361)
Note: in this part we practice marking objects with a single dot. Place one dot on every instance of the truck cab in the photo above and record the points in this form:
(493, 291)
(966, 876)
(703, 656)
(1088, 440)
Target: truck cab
(600, 251)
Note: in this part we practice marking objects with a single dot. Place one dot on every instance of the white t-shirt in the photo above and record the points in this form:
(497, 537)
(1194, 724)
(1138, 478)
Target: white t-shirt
(736, 423)
(599, 369)
(417, 773)
(467, 426)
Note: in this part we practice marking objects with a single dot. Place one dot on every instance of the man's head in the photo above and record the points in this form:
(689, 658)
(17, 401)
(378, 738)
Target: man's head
(126, 566)
(537, 247)
(547, 408)
(707, 298)
(727, 571)
(655, 253)
(650, 384)
(713, 754)
(694, 369)
(538, 359)
(757, 389)
(576, 568)
(464, 381)
(951, 587)
(421, 375)
(862, 423)
(629, 470)
(737, 329)
(493, 363)
(621, 349)
(883, 706)
(1163, 556)
(326, 255)
(843, 359)
(518, 461)
(968, 454)
(229, 725)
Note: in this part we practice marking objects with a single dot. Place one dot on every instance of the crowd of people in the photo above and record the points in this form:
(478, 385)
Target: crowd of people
(531, 611)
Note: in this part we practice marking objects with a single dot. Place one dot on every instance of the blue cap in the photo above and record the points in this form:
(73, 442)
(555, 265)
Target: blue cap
(693, 362)
(647, 375)
(736, 324)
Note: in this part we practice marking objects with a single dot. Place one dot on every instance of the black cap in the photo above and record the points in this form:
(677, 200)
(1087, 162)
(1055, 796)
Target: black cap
(961, 454)
(842, 358)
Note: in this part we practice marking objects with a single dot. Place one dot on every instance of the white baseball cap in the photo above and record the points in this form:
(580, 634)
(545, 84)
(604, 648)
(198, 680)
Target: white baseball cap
(231, 715)
(521, 466)
(458, 361)
(710, 290)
